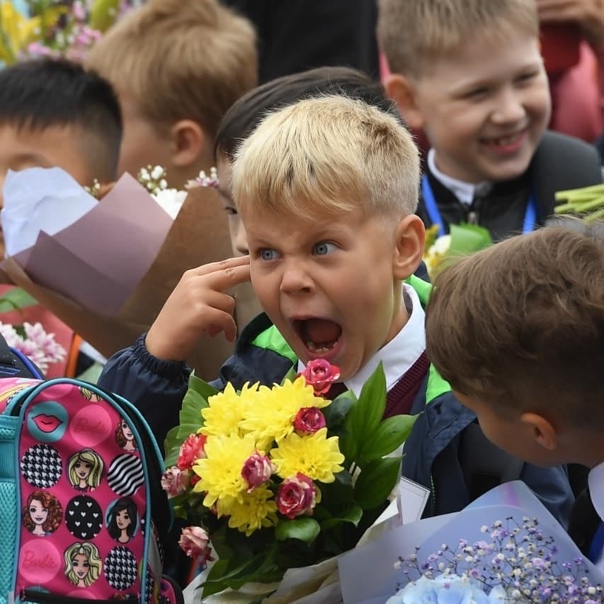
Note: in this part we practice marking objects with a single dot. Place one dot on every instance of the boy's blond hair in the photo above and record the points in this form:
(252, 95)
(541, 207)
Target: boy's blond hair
(412, 33)
(179, 60)
(520, 326)
(328, 154)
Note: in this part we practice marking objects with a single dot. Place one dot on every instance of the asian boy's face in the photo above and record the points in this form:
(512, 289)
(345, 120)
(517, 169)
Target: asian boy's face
(332, 285)
(53, 147)
(483, 108)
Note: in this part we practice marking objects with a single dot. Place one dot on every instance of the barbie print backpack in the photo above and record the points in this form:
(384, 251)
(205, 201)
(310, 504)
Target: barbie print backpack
(82, 511)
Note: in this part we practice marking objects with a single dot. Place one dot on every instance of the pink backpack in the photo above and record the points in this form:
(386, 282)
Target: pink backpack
(81, 505)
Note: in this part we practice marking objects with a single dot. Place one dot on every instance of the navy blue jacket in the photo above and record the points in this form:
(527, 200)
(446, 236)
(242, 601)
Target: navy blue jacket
(261, 355)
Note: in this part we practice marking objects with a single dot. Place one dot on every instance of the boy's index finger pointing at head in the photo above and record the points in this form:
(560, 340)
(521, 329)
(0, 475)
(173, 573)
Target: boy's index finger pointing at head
(221, 265)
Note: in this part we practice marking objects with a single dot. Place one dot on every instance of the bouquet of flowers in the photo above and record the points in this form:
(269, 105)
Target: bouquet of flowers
(279, 478)
(514, 563)
(55, 27)
(505, 547)
(463, 239)
(106, 267)
(29, 338)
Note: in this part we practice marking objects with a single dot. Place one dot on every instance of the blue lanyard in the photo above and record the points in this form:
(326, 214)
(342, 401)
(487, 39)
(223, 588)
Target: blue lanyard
(597, 544)
(528, 225)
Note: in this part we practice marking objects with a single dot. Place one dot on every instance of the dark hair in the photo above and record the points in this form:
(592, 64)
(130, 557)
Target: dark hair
(520, 325)
(247, 112)
(46, 92)
(124, 503)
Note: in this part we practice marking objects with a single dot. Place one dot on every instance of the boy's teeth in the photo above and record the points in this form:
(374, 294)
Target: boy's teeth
(506, 140)
(318, 348)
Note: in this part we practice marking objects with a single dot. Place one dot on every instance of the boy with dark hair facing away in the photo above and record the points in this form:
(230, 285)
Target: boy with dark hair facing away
(470, 74)
(518, 332)
(327, 191)
(55, 114)
(177, 67)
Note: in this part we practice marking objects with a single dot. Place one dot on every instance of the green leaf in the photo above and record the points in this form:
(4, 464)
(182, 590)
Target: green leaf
(390, 435)
(365, 415)
(467, 239)
(16, 299)
(351, 516)
(335, 413)
(337, 494)
(302, 529)
(290, 375)
(195, 400)
(376, 481)
(172, 447)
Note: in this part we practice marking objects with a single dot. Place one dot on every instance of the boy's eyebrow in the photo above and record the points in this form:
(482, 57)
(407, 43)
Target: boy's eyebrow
(465, 85)
(30, 156)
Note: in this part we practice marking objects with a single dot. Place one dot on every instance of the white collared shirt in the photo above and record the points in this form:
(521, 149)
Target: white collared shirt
(596, 492)
(464, 191)
(399, 355)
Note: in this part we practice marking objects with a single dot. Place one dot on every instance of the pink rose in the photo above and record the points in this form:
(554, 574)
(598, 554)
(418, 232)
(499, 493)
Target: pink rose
(320, 374)
(256, 470)
(296, 496)
(191, 450)
(194, 541)
(174, 481)
(309, 420)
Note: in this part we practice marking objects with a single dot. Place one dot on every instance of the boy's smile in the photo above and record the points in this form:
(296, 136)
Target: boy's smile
(327, 284)
(484, 108)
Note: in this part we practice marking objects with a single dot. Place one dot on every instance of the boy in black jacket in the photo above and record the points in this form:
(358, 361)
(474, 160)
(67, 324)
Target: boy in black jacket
(470, 74)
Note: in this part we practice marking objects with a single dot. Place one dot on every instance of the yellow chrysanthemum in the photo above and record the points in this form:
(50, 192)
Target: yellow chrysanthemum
(220, 471)
(17, 32)
(315, 456)
(272, 415)
(250, 512)
(227, 410)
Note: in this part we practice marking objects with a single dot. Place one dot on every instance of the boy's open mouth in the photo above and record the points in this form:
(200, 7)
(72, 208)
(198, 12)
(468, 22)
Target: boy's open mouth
(318, 335)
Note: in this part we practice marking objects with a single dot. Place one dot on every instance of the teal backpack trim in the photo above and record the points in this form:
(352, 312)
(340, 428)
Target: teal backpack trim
(271, 339)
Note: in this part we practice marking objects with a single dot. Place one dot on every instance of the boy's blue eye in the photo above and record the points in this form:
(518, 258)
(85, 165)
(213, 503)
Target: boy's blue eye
(267, 254)
(323, 248)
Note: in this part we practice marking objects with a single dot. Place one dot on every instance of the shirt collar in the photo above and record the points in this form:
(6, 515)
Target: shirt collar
(464, 191)
(596, 488)
(399, 355)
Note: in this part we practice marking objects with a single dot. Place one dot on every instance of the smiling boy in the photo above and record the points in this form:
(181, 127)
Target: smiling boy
(470, 74)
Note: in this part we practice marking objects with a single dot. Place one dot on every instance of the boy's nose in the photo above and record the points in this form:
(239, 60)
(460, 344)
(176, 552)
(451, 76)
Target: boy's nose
(509, 108)
(295, 279)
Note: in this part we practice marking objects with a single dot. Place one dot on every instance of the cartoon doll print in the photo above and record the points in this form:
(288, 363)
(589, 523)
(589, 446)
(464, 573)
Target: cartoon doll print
(124, 436)
(89, 395)
(83, 564)
(84, 470)
(42, 514)
(122, 520)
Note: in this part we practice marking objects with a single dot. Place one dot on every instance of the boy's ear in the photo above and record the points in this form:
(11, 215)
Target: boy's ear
(188, 141)
(410, 238)
(543, 431)
(402, 92)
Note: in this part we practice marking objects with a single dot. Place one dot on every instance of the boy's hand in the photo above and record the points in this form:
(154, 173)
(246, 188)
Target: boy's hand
(589, 14)
(198, 304)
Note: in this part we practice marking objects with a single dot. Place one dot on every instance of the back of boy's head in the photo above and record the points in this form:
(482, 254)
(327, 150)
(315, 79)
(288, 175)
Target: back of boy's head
(328, 154)
(180, 60)
(413, 33)
(46, 93)
(520, 326)
(245, 114)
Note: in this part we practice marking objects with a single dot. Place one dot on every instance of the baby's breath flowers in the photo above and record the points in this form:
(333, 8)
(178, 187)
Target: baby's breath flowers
(515, 562)
(267, 472)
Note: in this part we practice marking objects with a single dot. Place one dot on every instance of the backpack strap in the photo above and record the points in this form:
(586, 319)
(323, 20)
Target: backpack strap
(562, 162)
(485, 465)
